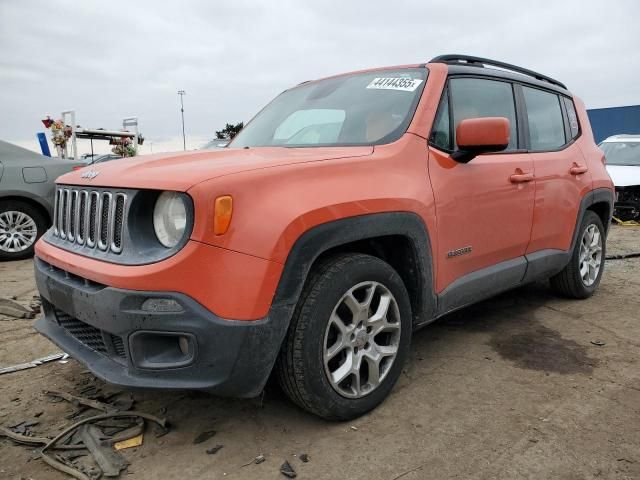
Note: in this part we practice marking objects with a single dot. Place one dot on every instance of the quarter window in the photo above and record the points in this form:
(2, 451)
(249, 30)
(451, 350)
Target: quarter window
(440, 133)
(546, 128)
(574, 125)
(476, 97)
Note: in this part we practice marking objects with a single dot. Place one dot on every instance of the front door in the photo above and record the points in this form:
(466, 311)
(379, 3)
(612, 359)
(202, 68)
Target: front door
(484, 208)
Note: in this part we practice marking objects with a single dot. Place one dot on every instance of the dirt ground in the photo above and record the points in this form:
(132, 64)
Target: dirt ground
(510, 388)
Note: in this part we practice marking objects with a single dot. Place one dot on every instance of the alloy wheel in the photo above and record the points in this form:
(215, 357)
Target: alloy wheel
(362, 339)
(18, 231)
(590, 255)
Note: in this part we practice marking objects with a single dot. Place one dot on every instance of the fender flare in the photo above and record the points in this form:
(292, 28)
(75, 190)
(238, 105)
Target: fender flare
(321, 238)
(599, 195)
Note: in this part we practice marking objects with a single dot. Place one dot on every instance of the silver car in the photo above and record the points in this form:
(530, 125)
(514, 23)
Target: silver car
(27, 188)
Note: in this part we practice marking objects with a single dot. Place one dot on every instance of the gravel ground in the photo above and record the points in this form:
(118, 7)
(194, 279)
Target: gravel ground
(510, 388)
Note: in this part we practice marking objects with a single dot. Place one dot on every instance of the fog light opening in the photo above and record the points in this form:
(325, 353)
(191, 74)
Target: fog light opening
(159, 350)
(183, 343)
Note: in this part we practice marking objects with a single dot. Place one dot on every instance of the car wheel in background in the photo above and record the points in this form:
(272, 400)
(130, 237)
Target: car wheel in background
(21, 225)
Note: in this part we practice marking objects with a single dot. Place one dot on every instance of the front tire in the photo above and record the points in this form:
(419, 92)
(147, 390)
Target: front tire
(21, 225)
(581, 277)
(348, 339)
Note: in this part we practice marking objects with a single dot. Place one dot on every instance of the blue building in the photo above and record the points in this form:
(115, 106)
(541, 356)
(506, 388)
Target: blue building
(614, 120)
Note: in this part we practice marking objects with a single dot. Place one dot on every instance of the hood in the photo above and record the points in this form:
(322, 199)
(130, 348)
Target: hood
(624, 175)
(180, 171)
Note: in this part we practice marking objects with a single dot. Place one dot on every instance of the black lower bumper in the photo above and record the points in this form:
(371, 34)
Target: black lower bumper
(107, 329)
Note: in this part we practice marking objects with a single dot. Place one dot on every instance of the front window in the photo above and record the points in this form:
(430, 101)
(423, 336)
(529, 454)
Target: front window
(358, 109)
(622, 153)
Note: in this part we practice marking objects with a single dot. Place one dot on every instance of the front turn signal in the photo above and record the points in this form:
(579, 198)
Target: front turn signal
(223, 209)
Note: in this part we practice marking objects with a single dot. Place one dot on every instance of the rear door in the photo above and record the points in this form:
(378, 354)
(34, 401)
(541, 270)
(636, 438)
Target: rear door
(562, 176)
(484, 208)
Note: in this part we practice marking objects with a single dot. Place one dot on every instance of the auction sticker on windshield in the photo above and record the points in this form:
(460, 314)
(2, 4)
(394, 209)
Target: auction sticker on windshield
(395, 83)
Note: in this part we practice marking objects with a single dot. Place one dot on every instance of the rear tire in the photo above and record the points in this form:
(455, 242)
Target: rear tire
(21, 225)
(581, 277)
(353, 320)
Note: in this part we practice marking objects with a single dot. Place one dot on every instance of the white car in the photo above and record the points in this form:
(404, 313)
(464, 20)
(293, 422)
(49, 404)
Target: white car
(623, 165)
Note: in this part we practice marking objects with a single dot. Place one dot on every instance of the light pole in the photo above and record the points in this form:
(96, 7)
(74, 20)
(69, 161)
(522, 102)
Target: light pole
(184, 141)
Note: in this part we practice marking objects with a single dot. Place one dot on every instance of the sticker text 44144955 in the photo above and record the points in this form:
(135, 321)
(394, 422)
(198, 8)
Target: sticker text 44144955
(395, 83)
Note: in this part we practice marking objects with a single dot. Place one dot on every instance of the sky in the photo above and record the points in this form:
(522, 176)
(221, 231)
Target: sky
(110, 60)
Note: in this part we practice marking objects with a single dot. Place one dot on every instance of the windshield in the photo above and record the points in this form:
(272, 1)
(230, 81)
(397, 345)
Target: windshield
(622, 153)
(358, 109)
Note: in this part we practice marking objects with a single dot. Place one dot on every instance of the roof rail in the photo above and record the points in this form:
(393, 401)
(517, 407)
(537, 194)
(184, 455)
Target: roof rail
(479, 62)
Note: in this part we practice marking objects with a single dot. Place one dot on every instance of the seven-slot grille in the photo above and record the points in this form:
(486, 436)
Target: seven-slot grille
(91, 218)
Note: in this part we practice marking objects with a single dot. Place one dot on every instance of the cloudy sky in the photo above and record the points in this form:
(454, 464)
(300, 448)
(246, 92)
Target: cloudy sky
(109, 60)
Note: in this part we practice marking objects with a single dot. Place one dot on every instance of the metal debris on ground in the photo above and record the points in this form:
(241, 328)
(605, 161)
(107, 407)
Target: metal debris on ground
(204, 436)
(88, 448)
(108, 459)
(623, 256)
(598, 343)
(32, 364)
(257, 461)
(130, 443)
(77, 401)
(304, 458)
(626, 223)
(214, 450)
(11, 308)
(287, 470)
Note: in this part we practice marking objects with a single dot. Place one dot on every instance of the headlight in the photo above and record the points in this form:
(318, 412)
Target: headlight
(170, 218)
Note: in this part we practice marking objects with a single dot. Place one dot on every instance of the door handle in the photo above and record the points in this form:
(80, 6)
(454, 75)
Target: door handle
(521, 177)
(578, 169)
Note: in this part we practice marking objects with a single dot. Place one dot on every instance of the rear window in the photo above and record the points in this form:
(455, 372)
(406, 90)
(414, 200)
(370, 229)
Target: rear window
(546, 127)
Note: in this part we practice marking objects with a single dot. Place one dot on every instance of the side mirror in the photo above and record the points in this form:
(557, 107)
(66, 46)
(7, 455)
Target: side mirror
(480, 135)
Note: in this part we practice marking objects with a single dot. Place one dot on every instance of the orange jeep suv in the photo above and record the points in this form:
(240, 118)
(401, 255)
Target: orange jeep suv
(349, 212)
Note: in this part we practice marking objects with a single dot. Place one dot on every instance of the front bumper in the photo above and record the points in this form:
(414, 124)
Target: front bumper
(106, 329)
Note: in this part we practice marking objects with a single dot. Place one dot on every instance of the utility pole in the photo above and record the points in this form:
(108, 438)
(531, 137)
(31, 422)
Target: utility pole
(184, 141)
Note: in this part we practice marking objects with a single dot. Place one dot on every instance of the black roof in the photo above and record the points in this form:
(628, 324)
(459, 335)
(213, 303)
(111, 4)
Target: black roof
(466, 64)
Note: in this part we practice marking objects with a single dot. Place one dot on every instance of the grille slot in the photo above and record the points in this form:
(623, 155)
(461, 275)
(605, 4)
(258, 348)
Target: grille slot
(88, 335)
(91, 218)
(118, 223)
(92, 337)
(118, 346)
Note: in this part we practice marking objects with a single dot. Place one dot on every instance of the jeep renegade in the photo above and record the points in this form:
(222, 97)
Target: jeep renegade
(349, 212)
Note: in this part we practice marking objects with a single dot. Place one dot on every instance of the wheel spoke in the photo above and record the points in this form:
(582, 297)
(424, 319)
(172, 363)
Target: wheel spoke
(336, 348)
(353, 305)
(339, 324)
(343, 371)
(584, 269)
(387, 350)
(374, 371)
(378, 322)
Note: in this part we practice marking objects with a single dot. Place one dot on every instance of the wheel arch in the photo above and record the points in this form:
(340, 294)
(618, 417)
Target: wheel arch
(399, 238)
(600, 201)
(32, 201)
